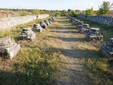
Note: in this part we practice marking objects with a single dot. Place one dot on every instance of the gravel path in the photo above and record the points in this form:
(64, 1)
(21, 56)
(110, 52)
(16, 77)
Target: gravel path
(73, 72)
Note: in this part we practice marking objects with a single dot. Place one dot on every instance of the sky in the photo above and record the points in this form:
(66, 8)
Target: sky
(52, 4)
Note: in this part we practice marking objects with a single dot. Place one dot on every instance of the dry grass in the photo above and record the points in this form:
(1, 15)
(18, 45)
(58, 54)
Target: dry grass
(100, 71)
(35, 63)
(40, 62)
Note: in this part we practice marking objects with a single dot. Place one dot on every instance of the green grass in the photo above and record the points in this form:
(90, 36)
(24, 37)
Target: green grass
(100, 71)
(35, 63)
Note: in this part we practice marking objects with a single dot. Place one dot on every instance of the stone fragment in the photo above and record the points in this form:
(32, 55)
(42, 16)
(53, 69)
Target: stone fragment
(37, 27)
(8, 48)
(28, 34)
(107, 48)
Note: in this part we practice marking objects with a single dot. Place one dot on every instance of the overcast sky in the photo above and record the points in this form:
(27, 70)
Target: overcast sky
(52, 4)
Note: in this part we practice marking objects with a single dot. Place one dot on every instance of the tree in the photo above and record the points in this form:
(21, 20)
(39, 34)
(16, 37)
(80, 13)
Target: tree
(89, 11)
(104, 8)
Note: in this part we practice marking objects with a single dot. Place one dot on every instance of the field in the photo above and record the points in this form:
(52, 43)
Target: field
(59, 55)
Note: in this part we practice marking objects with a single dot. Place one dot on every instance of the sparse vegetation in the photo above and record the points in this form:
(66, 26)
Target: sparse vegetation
(35, 63)
(24, 13)
(36, 12)
(100, 71)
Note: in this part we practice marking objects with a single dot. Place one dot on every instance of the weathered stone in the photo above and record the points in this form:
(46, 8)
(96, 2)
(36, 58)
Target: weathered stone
(83, 28)
(50, 21)
(37, 27)
(107, 48)
(43, 25)
(107, 20)
(94, 34)
(8, 48)
(14, 21)
(53, 18)
(42, 16)
(27, 33)
(47, 22)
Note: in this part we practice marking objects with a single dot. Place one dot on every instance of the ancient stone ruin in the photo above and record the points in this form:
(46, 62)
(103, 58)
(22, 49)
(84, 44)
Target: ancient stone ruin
(43, 25)
(37, 27)
(94, 34)
(47, 22)
(8, 48)
(91, 33)
(10, 22)
(107, 48)
(106, 20)
(27, 33)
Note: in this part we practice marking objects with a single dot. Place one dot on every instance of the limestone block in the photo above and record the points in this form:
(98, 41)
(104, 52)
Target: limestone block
(37, 27)
(27, 33)
(8, 48)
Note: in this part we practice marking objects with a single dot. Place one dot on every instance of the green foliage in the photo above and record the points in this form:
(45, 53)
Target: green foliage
(75, 13)
(99, 71)
(35, 63)
(23, 13)
(89, 12)
(36, 12)
(63, 12)
(4, 32)
(104, 9)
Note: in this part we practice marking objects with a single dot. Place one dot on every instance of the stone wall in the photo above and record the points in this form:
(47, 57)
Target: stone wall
(43, 16)
(14, 21)
(107, 20)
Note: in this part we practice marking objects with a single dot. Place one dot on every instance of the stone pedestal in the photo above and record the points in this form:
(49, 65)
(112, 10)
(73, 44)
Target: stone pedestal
(28, 34)
(8, 48)
(37, 27)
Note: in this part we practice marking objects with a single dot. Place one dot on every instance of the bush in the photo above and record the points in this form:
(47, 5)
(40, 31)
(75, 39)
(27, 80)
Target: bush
(36, 12)
(23, 13)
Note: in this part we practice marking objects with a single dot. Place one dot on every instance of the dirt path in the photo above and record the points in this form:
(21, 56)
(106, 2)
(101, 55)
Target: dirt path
(71, 43)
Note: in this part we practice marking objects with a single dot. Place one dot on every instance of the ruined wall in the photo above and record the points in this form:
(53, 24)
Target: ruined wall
(14, 21)
(43, 16)
(107, 20)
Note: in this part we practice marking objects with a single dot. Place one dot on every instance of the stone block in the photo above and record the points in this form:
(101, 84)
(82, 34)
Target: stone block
(8, 48)
(27, 33)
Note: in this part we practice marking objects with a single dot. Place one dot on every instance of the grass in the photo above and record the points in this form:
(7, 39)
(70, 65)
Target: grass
(35, 63)
(100, 71)
(15, 31)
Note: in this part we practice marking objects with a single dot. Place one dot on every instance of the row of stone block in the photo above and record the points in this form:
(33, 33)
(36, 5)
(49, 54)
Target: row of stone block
(90, 32)
(9, 49)
(106, 48)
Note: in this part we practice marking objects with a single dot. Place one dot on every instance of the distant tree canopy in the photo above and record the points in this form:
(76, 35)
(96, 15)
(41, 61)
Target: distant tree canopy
(104, 8)
(89, 11)
(23, 13)
(35, 11)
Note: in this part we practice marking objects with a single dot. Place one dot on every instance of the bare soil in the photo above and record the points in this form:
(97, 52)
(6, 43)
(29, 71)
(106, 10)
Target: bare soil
(72, 46)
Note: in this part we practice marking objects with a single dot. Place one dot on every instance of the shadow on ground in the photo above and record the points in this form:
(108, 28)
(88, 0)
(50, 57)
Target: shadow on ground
(31, 74)
(68, 39)
(78, 53)
(73, 32)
